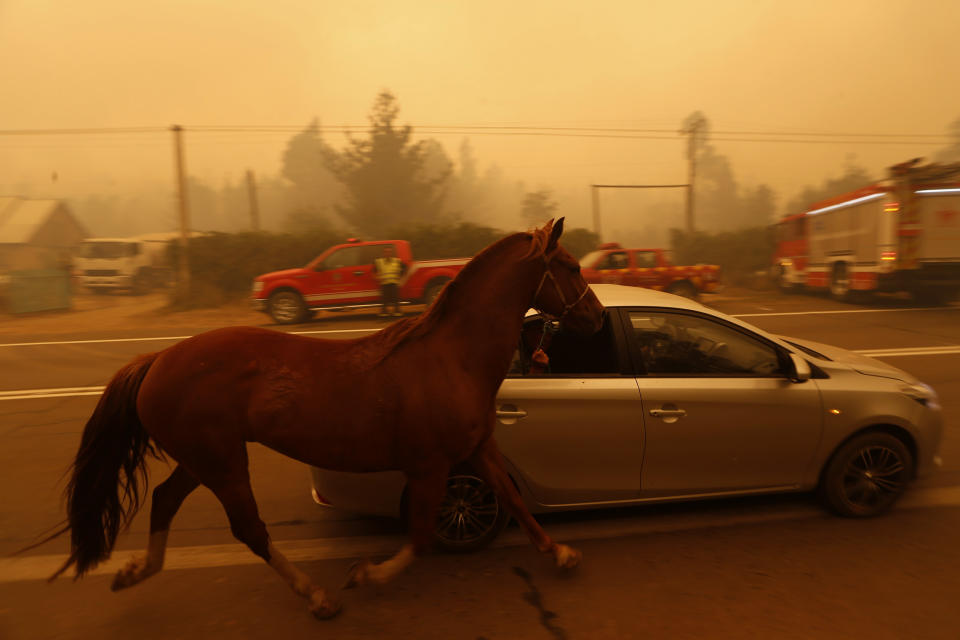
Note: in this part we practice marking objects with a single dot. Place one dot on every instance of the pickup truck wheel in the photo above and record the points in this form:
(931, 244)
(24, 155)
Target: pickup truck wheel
(433, 290)
(684, 289)
(287, 307)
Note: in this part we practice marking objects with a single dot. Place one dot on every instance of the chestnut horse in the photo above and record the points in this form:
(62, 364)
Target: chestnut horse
(417, 396)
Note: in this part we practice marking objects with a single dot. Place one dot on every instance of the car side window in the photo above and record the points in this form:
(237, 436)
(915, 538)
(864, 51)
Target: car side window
(615, 260)
(679, 344)
(348, 257)
(645, 259)
(565, 354)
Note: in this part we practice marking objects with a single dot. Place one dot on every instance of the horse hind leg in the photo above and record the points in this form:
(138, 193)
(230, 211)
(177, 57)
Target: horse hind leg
(167, 498)
(488, 462)
(237, 499)
(424, 494)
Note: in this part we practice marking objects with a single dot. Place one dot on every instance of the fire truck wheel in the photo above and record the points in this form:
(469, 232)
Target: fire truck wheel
(784, 282)
(287, 307)
(840, 282)
(684, 289)
(932, 297)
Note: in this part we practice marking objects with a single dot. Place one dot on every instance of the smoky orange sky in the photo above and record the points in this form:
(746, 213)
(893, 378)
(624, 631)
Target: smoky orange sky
(851, 67)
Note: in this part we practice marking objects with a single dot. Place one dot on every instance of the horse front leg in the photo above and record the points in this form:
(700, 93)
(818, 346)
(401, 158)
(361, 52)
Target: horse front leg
(488, 462)
(424, 496)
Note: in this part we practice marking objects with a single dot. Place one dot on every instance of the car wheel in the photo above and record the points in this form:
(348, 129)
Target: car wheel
(287, 307)
(866, 475)
(471, 515)
(433, 290)
(684, 289)
(840, 282)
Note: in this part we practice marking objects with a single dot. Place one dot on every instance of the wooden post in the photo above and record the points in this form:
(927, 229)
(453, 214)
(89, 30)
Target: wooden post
(596, 212)
(183, 267)
(252, 196)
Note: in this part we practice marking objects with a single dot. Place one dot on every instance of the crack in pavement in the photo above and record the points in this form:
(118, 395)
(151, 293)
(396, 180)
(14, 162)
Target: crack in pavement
(547, 618)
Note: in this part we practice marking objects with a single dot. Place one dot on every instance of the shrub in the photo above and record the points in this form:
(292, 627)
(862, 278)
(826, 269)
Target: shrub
(740, 254)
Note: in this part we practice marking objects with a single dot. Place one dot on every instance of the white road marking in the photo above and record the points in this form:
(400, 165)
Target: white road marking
(64, 392)
(161, 338)
(823, 312)
(18, 569)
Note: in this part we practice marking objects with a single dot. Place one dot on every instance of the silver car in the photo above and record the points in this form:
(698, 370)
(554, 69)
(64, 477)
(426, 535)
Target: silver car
(672, 400)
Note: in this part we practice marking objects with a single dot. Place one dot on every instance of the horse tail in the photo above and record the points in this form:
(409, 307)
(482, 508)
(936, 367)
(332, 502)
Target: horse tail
(99, 500)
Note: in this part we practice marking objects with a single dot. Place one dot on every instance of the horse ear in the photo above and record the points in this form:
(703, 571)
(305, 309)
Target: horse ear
(555, 234)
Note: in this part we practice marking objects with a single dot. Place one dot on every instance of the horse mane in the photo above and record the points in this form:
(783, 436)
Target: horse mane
(381, 344)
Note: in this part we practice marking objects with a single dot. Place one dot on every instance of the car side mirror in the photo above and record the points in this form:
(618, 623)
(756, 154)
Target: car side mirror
(801, 369)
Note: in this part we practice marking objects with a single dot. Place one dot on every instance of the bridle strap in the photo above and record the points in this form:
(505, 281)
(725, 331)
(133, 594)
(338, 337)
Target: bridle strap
(548, 274)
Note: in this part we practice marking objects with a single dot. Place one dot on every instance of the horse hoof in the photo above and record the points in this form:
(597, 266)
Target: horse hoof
(356, 575)
(122, 580)
(323, 607)
(567, 557)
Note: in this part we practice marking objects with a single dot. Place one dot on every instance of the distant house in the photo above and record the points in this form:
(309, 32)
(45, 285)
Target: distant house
(37, 234)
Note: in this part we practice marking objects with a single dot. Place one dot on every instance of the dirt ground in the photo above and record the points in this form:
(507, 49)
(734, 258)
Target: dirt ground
(119, 311)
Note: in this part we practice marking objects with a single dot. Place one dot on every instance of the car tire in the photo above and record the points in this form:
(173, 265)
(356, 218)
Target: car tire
(866, 475)
(684, 289)
(287, 307)
(433, 290)
(471, 515)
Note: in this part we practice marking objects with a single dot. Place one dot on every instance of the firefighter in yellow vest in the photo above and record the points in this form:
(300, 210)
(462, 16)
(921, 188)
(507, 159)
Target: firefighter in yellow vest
(389, 269)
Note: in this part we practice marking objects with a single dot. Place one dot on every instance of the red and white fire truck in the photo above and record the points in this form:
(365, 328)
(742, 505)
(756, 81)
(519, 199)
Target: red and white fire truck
(900, 234)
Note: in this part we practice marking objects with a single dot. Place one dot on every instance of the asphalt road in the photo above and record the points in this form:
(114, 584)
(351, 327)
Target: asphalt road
(775, 567)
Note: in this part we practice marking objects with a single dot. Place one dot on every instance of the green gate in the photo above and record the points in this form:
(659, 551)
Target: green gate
(38, 290)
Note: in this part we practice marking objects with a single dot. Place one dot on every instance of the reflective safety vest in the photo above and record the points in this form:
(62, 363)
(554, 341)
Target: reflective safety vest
(389, 270)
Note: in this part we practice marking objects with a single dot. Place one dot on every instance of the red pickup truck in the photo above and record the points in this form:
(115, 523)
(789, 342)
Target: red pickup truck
(342, 278)
(650, 268)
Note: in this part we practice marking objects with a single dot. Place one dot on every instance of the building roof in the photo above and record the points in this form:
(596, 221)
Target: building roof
(20, 218)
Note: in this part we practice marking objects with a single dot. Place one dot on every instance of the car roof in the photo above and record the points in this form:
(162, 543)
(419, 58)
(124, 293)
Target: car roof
(617, 295)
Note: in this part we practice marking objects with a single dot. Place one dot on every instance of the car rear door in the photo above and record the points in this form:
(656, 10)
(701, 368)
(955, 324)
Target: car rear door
(720, 414)
(575, 432)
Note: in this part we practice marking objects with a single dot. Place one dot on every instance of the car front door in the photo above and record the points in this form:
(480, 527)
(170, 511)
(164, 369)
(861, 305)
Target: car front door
(574, 431)
(719, 412)
(346, 276)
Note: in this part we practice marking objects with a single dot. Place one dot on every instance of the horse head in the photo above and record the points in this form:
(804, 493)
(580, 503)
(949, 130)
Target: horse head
(562, 292)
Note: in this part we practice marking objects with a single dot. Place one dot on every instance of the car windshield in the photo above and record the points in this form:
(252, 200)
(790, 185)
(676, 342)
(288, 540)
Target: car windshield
(590, 259)
(106, 249)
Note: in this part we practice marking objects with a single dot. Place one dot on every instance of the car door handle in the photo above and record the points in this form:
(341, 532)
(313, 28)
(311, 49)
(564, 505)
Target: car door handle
(667, 413)
(510, 414)
(359, 273)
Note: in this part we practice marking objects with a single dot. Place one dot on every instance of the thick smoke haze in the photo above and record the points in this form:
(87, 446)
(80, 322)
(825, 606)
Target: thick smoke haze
(849, 69)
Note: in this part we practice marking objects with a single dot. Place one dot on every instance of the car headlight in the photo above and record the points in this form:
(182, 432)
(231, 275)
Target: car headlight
(922, 393)
(257, 286)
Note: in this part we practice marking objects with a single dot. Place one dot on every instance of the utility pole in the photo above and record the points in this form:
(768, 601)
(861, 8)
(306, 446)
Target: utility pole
(595, 191)
(596, 211)
(252, 196)
(183, 275)
(693, 130)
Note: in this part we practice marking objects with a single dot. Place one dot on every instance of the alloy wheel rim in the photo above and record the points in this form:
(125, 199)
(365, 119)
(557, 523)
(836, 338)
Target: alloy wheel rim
(469, 510)
(285, 308)
(873, 476)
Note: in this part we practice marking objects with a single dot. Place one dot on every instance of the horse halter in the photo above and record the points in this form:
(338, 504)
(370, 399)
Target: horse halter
(548, 274)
